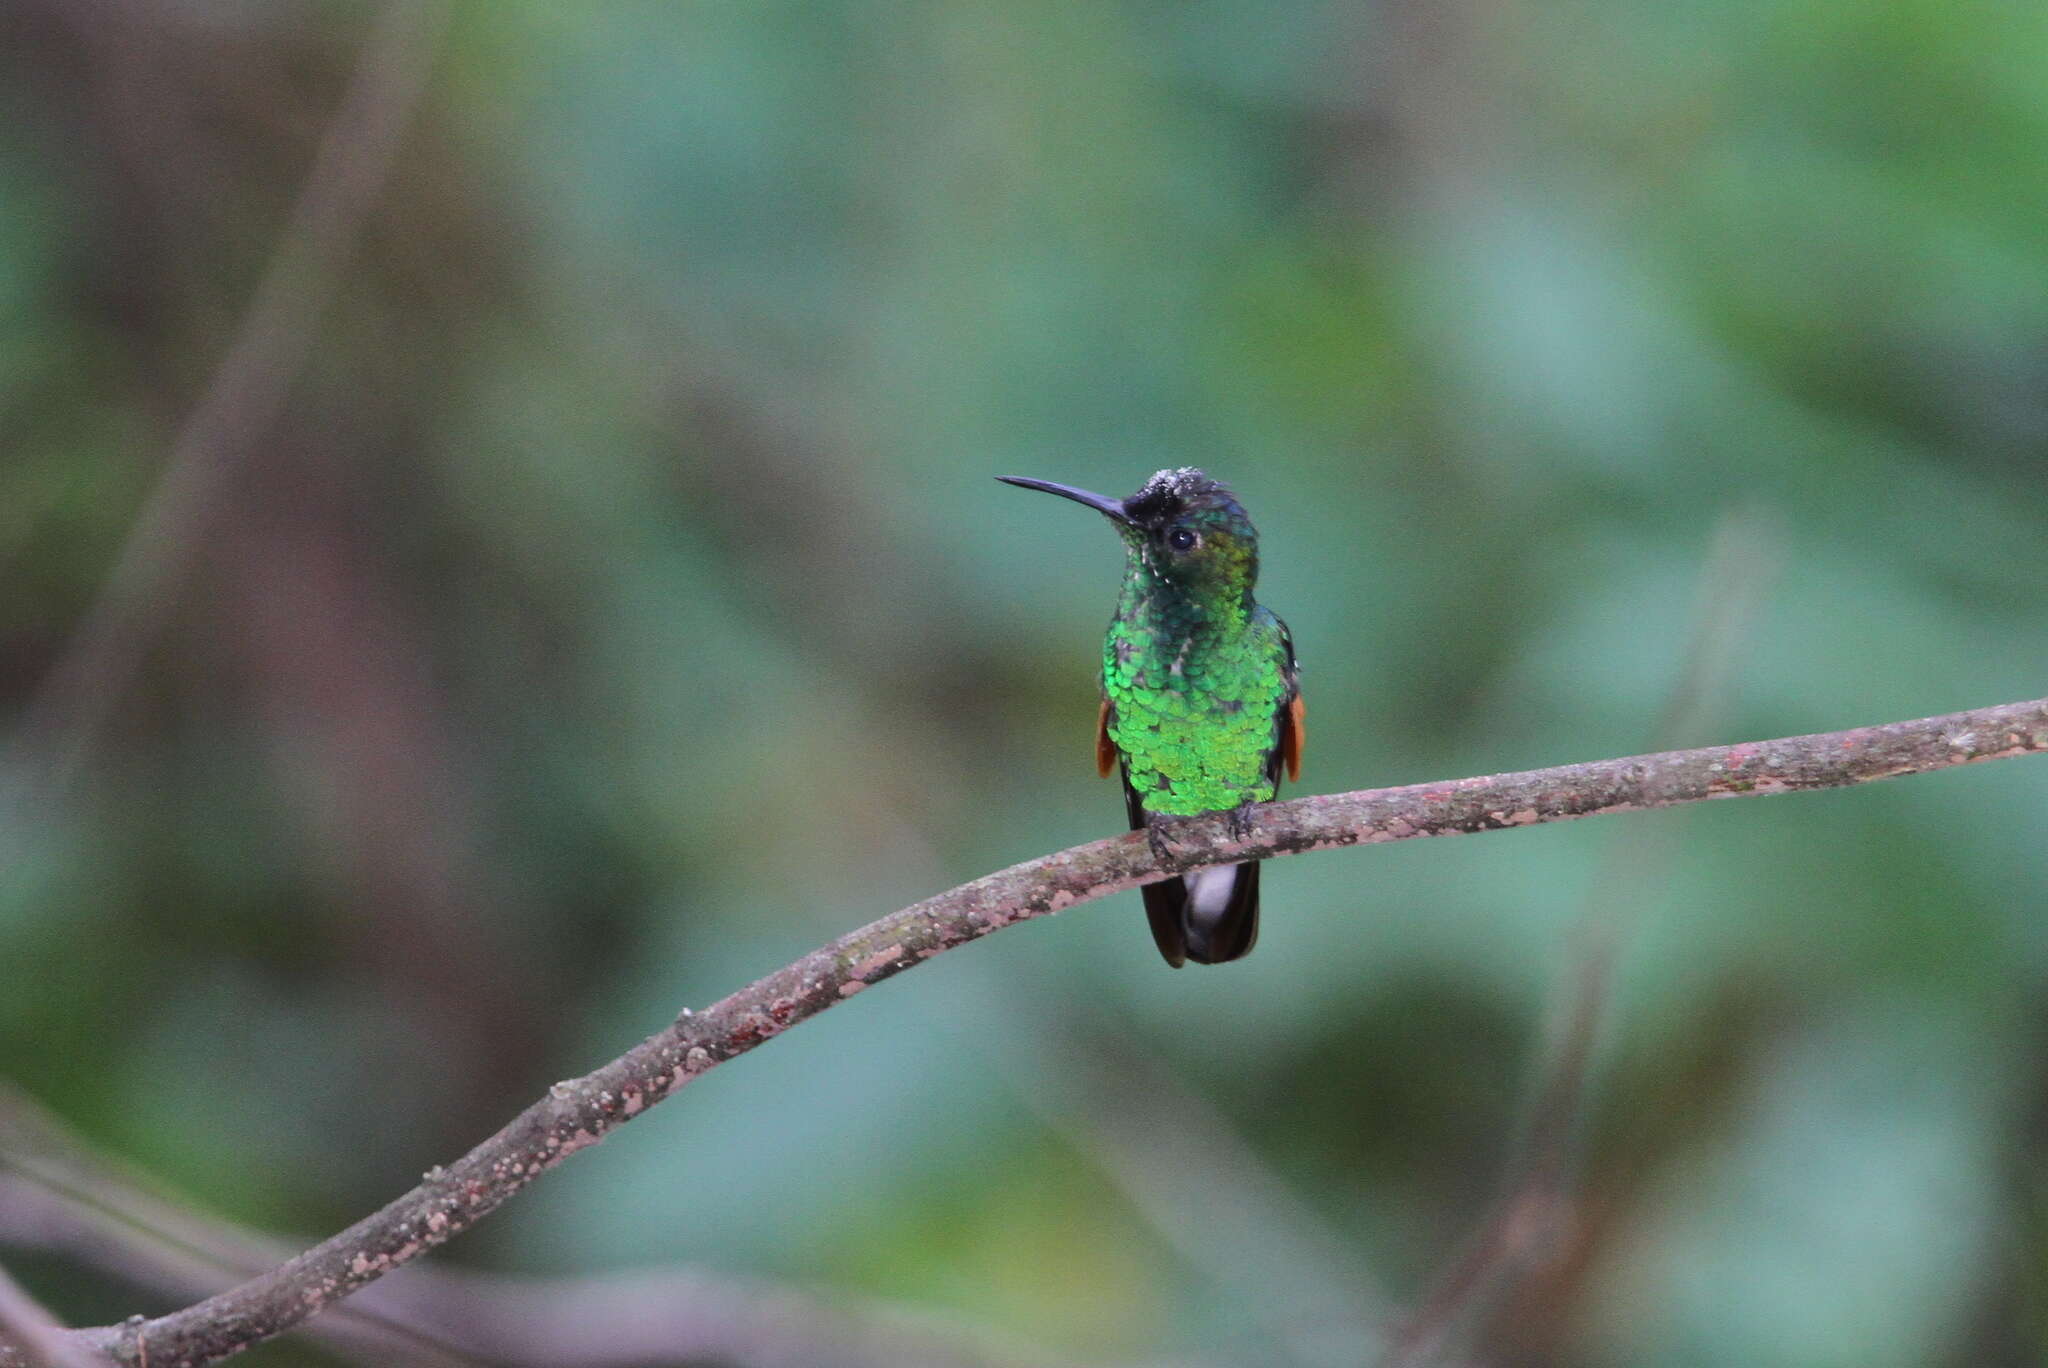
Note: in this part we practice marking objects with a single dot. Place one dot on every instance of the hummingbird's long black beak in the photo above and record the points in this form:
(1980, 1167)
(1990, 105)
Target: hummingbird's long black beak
(1110, 508)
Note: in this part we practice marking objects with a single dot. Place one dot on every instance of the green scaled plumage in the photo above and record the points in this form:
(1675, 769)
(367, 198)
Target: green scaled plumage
(1201, 706)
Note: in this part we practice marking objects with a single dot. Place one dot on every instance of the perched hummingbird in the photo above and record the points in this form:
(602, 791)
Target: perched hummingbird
(1200, 702)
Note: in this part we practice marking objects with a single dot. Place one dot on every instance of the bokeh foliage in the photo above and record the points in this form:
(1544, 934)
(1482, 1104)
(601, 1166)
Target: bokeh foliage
(624, 606)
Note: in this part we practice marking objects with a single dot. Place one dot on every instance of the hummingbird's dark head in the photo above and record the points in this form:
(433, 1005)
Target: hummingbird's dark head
(1181, 527)
(1190, 530)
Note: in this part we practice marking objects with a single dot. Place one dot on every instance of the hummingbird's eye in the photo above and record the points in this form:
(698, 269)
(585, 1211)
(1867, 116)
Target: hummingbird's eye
(1182, 539)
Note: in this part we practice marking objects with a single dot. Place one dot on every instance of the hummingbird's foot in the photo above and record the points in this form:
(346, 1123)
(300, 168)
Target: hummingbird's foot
(1156, 837)
(1240, 820)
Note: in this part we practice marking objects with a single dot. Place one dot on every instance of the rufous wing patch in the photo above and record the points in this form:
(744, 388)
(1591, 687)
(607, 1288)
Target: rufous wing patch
(1105, 749)
(1290, 738)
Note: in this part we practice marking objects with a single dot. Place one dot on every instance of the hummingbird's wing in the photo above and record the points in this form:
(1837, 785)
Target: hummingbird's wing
(1287, 751)
(1105, 749)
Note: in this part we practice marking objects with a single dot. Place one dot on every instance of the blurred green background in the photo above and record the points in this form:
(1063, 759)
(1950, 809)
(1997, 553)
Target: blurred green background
(621, 605)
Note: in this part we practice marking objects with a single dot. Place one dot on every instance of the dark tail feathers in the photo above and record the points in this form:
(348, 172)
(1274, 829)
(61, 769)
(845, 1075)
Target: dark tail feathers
(1210, 916)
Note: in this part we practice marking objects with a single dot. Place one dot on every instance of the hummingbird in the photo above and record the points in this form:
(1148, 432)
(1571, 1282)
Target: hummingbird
(1201, 701)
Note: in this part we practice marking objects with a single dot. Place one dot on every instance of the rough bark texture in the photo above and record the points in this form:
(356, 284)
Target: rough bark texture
(580, 1112)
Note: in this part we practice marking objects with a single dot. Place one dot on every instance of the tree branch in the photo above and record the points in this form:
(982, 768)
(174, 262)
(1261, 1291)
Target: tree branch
(580, 1112)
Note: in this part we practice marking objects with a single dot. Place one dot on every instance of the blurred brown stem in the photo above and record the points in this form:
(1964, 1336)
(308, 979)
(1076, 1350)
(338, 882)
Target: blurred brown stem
(34, 1334)
(246, 392)
(59, 1196)
(451, 1318)
(580, 1112)
(1536, 1216)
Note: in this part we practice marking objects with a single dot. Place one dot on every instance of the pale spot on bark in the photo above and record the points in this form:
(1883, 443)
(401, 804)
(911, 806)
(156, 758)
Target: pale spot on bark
(881, 959)
(849, 989)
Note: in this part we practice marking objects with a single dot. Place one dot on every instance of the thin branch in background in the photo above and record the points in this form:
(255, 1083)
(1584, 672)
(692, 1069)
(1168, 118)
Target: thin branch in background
(578, 1113)
(447, 1318)
(37, 1334)
(1191, 1176)
(89, 1230)
(60, 1196)
(71, 706)
(1534, 1211)
(1256, 1245)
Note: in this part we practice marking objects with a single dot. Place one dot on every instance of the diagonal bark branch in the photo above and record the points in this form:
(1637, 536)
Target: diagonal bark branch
(580, 1112)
